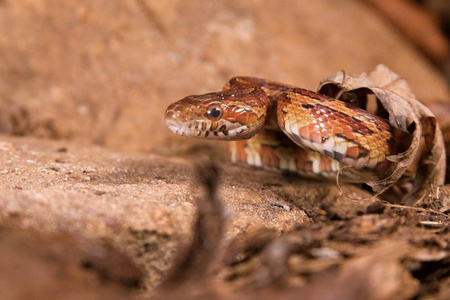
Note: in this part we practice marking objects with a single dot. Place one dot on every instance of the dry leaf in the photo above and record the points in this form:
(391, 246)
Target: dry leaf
(409, 117)
(362, 275)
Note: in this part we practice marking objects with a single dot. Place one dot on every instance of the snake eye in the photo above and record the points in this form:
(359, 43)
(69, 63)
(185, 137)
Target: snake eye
(214, 112)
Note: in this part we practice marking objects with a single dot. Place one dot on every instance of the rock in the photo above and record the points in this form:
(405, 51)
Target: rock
(144, 203)
(34, 265)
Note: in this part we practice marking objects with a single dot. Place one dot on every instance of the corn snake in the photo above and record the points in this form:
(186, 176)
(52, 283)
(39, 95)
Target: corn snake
(278, 126)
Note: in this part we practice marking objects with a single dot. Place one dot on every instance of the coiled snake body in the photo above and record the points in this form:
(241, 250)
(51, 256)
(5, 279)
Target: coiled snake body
(290, 129)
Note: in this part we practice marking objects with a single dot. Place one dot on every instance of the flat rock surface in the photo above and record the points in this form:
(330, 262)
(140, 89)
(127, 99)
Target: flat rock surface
(36, 265)
(140, 200)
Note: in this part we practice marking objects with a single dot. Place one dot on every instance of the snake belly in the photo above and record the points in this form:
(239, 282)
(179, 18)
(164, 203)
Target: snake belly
(278, 126)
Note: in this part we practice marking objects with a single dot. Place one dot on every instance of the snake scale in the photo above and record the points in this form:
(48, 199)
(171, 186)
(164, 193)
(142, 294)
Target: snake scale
(278, 126)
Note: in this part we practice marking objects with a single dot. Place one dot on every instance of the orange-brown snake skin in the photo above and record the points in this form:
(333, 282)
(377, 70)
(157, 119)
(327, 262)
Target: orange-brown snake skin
(277, 126)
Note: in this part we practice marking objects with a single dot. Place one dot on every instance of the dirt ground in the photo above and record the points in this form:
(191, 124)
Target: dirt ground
(99, 200)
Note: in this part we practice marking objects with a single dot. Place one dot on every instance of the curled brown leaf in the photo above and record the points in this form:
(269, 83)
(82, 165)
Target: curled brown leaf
(420, 166)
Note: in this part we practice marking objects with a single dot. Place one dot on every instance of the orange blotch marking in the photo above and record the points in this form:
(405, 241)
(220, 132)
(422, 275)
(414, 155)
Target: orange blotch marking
(325, 164)
(350, 135)
(316, 137)
(304, 132)
(337, 129)
(301, 158)
(308, 167)
(314, 128)
(269, 157)
(353, 152)
(241, 155)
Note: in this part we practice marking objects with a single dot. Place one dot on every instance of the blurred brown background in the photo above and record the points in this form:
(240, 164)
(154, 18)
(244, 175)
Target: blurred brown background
(104, 71)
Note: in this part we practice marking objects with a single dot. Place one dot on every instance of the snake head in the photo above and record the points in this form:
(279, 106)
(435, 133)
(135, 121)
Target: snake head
(221, 116)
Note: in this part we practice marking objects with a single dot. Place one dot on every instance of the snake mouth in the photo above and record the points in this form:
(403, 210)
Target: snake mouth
(192, 129)
(189, 120)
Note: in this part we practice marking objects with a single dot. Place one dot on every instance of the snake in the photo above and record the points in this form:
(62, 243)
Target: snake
(278, 126)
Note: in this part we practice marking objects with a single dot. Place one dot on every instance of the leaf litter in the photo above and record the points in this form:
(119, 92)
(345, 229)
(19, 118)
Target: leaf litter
(385, 252)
